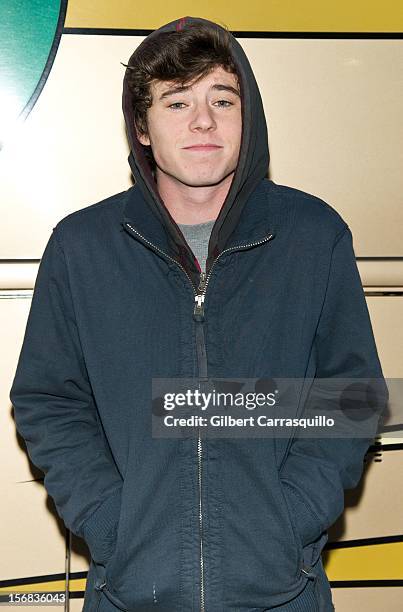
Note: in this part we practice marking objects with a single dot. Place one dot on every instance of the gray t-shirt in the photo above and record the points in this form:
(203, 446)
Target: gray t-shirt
(197, 236)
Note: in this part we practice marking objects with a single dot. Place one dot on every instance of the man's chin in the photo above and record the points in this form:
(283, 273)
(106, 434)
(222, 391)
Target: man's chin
(203, 181)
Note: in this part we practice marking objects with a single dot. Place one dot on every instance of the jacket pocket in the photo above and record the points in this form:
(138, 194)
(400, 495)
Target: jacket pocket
(100, 529)
(262, 549)
(136, 574)
(309, 525)
(290, 515)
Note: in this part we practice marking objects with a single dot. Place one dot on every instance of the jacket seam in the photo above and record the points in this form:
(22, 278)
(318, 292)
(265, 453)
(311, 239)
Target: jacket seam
(58, 242)
(337, 239)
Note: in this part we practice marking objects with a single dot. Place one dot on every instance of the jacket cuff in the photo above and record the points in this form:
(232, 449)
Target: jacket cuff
(307, 523)
(100, 529)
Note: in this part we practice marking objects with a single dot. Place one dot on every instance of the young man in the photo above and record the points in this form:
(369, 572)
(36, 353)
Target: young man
(204, 269)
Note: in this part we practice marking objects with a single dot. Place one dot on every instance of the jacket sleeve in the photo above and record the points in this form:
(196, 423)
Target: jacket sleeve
(55, 412)
(317, 470)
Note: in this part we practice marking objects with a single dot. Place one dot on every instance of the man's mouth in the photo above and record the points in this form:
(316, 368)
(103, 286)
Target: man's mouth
(200, 147)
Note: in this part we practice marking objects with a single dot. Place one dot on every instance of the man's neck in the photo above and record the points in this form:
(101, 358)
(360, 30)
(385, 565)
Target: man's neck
(191, 205)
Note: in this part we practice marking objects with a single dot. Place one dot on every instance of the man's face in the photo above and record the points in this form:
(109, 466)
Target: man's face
(206, 113)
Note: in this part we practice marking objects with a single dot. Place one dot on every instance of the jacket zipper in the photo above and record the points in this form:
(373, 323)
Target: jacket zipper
(198, 315)
(202, 367)
(199, 459)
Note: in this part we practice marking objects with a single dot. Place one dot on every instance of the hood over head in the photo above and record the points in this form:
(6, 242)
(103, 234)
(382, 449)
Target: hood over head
(252, 165)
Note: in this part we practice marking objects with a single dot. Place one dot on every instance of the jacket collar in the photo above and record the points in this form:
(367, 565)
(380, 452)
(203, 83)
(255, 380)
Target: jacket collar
(253, 226)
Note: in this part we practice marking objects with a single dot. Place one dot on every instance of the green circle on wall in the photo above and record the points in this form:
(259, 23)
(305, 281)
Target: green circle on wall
(30, 32)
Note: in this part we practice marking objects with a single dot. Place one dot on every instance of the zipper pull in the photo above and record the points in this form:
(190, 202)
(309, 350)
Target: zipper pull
(306, 569)
(99, 585)
(199, 307)
(202, 282)
(198, 312)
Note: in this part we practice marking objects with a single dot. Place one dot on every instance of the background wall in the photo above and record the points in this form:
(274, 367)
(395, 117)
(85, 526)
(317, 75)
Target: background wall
(331, 79)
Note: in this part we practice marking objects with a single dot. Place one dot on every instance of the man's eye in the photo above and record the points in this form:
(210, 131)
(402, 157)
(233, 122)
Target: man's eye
(226, 103)
(175, 105)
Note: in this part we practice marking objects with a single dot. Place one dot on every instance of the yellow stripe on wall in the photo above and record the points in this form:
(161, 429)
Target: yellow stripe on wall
(374, 562)
(36, 587)
(256, 15)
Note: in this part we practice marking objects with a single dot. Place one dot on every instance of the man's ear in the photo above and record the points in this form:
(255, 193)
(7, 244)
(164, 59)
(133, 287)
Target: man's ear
(142, 138)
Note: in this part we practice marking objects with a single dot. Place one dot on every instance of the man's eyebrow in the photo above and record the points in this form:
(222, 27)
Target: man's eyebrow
(174, 90)
(220, 87)
(181, 88)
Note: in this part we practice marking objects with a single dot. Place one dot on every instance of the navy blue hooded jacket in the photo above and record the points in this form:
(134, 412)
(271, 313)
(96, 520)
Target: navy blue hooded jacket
(189, 524)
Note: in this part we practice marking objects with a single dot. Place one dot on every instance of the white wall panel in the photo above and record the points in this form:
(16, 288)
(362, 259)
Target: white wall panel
(333, 108)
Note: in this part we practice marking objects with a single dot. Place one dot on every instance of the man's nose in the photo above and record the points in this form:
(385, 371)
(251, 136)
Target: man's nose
(203, 118)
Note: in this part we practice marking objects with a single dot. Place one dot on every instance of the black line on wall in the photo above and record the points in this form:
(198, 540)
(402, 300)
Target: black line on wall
(8, 261)
(364, 542)
(385, 447)
(376, 451)
(243, 33)
(335, 584)
(380, 258)
(39, 579)
(76, 594)
(33, 580)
